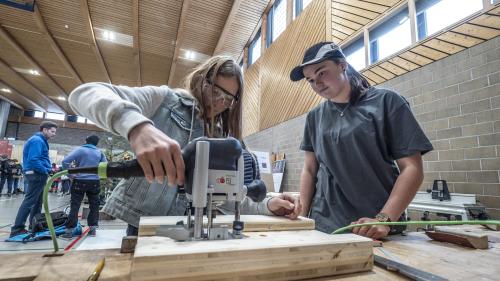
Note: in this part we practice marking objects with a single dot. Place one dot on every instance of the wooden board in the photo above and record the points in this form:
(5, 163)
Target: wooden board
(148, 225)
(281, 255)
(77, 265)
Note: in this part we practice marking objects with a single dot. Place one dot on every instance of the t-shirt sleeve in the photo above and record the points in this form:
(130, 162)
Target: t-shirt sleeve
(307, 139)
(405, 135)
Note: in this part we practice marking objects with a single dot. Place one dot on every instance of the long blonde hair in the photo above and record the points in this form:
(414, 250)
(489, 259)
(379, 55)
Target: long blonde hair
(227, 123)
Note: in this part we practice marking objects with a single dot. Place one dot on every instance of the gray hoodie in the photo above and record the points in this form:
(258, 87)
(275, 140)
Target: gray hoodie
(119, 109)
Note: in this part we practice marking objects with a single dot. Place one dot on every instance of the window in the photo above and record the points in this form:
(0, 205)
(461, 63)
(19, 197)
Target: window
(54, 116)
(276, 21)
(435, 15)
(80, 119)
(355, 53)
(254, 50)
(299, 6)
(38, 114)
(391, 36)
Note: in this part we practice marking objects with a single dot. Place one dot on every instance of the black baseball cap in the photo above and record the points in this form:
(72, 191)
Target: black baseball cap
(316, 54)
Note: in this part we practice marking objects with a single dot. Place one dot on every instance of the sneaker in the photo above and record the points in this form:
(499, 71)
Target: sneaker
(92, 231)
(19, 232)
(68, 233)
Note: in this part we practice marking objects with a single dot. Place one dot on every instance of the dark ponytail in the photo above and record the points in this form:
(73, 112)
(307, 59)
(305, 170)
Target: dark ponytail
(359, 84)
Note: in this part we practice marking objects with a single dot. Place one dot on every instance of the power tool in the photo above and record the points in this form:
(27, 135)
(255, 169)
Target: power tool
(214, 172)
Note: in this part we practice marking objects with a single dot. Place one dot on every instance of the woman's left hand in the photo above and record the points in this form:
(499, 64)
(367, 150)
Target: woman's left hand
(373, 231)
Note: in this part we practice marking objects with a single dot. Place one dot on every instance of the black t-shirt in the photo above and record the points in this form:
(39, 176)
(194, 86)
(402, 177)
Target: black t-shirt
(356, 146)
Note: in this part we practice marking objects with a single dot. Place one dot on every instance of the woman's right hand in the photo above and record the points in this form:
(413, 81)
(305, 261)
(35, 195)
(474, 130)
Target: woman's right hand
(157, 154)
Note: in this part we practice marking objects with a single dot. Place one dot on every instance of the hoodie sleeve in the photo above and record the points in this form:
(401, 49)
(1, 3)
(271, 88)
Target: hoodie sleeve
(117, 108)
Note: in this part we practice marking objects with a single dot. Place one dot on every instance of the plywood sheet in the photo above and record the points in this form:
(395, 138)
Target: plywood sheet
(282, 255)
(148, 225)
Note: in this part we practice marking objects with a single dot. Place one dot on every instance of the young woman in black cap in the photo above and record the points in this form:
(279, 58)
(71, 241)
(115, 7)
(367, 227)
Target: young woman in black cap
(352, 143)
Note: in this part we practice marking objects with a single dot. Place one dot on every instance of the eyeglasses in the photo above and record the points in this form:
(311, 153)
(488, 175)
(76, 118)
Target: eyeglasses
(219, 92)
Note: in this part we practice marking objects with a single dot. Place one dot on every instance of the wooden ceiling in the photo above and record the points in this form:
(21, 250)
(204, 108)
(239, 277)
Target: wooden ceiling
(125, 42)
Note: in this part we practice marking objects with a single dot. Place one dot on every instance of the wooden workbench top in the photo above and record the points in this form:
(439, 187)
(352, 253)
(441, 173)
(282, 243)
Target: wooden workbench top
(416, 249)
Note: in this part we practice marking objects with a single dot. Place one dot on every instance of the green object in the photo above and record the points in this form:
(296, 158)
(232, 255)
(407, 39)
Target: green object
(101, 170)
(48, 218)
(342, 229)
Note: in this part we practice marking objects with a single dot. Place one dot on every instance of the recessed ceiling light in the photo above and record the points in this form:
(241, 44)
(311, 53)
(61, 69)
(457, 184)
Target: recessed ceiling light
(61, 98)
(190, 55)
(34, 72)
(108, 35)
(5, 90)
(66, 26)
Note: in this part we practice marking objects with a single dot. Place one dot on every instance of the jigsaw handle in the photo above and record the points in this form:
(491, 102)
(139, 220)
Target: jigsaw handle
(256, 190)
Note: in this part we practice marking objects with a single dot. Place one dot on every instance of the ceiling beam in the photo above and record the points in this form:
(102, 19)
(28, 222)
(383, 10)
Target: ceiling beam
(55, 47)
(137, 50)
(33, 88)
(33, 104)
(7, 37)
(179, 39)
(227, 26)
(2, 97)
(90, 29)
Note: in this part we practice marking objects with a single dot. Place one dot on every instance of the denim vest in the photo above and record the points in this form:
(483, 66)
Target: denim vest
(136, 197)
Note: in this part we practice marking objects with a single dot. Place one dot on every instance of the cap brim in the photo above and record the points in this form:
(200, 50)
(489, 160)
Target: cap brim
(297, 73)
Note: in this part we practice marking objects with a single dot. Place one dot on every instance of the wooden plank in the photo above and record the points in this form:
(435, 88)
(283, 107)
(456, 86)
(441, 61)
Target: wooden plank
(352, 25)
(137, 49)
(364, 5)
(339, 34)
(477, 31)
(354, 10)
(388, 3)
(460, 39)
(443, 46)
(415, 58)
(429, 53)
(373, 76)
(253, 223)
(343, 29)
(281, 255)
(393, 68)
(382, 72)
(487, 20)
(495, 11)
(225, 31)
(351, 17)
(178, 41)
(403, 63)
(55, 47)
(459, 237)
(84, 5)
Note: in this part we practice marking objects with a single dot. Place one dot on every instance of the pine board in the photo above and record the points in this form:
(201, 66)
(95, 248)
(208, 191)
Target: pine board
(281, 255)
(148, 225)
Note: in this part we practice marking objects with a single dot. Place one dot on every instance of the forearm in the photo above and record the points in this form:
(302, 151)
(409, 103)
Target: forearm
(116, 108)
(404, 191)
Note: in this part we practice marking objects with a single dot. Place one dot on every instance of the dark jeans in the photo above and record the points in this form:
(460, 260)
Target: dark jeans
(32, 202)
(132, 230)
(65, 186)
(9, 179)
(78, 190)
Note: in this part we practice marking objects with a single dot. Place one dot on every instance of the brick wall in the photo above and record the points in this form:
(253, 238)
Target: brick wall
(457, 102)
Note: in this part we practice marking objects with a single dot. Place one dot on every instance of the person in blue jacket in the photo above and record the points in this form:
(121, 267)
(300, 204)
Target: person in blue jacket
(87, 155)
(36, 169)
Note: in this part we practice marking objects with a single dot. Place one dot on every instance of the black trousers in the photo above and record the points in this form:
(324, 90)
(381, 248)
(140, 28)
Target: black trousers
(78, 190)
